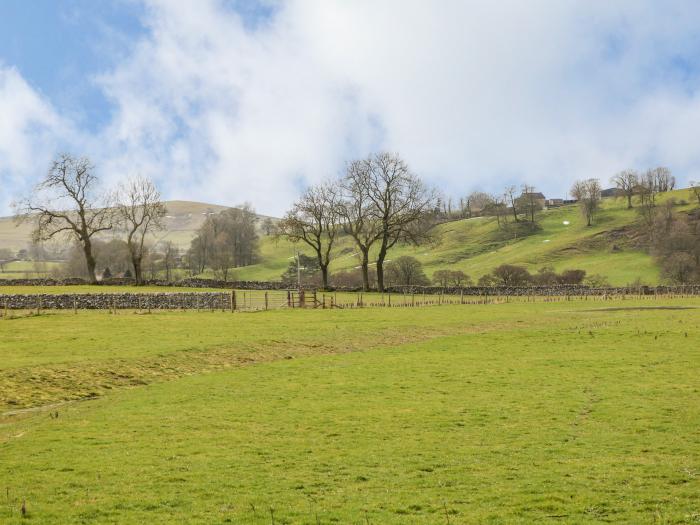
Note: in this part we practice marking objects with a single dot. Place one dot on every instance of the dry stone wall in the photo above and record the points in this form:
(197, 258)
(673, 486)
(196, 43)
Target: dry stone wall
(107, 301)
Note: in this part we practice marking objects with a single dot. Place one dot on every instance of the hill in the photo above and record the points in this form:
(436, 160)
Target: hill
(181, 222)
(475, 246)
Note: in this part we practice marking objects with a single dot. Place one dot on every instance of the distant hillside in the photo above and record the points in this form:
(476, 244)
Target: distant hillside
(476, 246)
(182, 221)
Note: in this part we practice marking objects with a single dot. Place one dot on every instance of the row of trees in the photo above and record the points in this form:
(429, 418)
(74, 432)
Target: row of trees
(67, 204)
(378, 202)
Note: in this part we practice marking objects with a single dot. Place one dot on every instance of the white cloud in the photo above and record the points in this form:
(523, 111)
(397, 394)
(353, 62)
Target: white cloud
(29, 130)
(472, 94)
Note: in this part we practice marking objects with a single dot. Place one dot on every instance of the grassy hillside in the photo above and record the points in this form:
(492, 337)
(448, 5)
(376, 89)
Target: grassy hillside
(476, 246)
(516, 413)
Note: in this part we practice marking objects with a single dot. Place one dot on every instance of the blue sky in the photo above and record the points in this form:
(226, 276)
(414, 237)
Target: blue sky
(232, 101)
(59, 46)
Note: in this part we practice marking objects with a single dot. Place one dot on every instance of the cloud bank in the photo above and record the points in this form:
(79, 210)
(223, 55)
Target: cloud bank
(220, 107)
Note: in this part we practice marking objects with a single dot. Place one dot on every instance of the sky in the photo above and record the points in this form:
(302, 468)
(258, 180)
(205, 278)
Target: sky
(228, 101)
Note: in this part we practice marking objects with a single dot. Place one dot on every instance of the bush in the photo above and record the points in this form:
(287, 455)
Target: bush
(406, 271)
(447, 278)
(511, 275)
(352, 278)
(572, 276)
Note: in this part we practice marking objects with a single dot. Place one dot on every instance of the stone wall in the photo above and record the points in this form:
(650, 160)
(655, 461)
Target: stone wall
(557, 290)
(106, 301)
(554, 290)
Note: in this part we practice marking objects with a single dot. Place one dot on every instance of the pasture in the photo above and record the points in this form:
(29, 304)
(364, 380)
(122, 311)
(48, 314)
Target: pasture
(563, 412)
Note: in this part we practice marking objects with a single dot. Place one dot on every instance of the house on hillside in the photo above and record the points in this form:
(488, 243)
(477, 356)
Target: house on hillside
(536, 196)
(554, 203)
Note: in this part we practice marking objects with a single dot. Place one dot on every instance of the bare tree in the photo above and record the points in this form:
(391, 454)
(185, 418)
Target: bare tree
(66, 204)
(509, 196)
(529, 202)
(140, 211)
(401, 205)
(356, 213)
(315, 220)
(587, 192)
(695, 189)
(627, 182)
(663, 180)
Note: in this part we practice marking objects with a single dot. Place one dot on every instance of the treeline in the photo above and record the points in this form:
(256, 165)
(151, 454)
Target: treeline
(378, 202)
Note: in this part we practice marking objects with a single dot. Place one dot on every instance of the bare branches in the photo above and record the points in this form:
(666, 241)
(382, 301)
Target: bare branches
(140, 211)
(587, 192)
(627, 183)
(385, 203)
(65, 203)
(315, 220)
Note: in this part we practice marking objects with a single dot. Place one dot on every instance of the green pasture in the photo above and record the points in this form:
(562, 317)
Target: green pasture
(566, 412)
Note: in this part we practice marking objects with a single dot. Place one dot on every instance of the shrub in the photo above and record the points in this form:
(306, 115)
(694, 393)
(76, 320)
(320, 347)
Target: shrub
(511, 275)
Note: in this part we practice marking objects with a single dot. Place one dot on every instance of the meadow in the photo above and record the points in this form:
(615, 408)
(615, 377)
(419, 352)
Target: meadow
(565, 412)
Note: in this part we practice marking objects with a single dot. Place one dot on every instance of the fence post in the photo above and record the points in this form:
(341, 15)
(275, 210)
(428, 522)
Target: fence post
(389, 296)
(266, 301)
(233, 300)
(324, 302)
(38, 305)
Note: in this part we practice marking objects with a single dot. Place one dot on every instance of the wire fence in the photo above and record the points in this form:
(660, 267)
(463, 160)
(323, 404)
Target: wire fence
(261, 300)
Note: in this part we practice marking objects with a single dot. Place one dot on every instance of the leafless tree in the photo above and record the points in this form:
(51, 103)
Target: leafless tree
(695, 189)
(529, 203)
(400, 204)
(65, 203)
(627, 183)
(140, 212)
(510, 197)
(663, 180)
(587, 193)
(356, 211)
(315, 220)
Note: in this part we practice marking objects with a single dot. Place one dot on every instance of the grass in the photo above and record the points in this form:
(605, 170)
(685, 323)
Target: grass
(474, 246)
(574, 412)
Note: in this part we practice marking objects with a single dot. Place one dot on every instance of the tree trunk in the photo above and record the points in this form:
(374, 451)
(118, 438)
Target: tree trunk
(90, 261)
(138, 270)
(324, 276)
(365, 269)
(380, 268)
(629, 201)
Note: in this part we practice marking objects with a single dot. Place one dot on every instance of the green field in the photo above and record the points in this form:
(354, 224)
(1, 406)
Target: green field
(567, 412)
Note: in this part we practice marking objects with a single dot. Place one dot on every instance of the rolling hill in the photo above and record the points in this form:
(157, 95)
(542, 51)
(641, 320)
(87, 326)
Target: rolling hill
(475, 246)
